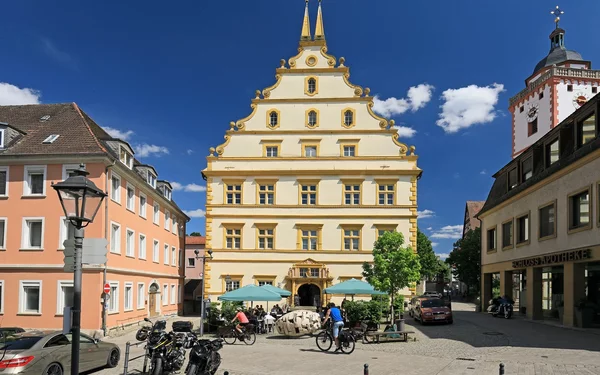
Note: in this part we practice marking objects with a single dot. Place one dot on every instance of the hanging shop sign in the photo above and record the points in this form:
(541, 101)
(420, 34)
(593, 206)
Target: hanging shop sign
(566, 256)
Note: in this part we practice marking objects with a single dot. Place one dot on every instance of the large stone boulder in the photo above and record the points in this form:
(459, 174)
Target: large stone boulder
(298, 323)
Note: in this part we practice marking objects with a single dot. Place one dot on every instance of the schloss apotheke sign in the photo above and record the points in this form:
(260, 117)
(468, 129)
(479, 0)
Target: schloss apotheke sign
(567, 256)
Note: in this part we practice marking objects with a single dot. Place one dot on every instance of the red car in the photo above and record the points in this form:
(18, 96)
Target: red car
(433, 310)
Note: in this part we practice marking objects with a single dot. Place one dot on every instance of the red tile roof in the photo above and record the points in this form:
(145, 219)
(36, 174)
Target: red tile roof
(195, 240)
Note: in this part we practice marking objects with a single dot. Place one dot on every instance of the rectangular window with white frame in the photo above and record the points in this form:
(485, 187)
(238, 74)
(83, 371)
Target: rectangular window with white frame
(167, 220)
(3, 181)
(141, 296)
(3, 226)
(156, 214)
(30, 297)
(142, 244)
(151, 179)
(128, 296)
(178, 294)
(67, 232)
(65, 293)
(191, 262)
(174, 225)
(143, 203)
(113, 301)
(33, 233)
(1, 296)
(34, 180)
(115, 238)
(181, 258)
(130, 197)
(166, 254)
(155, 251)
(173, 256)
(165, 296)
(173, 295)
(115, 187)
(130, 243)
(2, 141)
(69, 170)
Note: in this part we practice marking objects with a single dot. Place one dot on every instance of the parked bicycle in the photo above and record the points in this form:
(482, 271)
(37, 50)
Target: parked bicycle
(230, 334)
(325, 339)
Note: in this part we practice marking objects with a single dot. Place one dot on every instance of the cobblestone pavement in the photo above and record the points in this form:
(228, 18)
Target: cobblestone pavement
(474, 344)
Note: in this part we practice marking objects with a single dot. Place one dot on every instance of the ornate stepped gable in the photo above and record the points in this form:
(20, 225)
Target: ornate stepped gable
(317, 78)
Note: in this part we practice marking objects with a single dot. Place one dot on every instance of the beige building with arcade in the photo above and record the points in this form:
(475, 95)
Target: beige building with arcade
(302, 187)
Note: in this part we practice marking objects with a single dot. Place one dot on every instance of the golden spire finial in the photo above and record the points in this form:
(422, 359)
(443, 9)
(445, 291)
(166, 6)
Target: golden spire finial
(320, 31)
(305, 25)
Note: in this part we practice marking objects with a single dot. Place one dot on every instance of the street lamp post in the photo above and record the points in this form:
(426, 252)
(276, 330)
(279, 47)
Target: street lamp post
(202, 306)
(80, 199)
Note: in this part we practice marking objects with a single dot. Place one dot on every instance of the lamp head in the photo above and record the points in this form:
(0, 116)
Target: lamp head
(196, 252)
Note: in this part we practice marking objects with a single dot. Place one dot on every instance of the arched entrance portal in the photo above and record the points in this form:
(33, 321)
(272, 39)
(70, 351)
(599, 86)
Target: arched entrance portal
(310, 295)
(153, 293)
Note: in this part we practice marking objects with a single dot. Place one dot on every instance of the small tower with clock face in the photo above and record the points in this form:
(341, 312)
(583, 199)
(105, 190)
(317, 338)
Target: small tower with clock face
(561, 83)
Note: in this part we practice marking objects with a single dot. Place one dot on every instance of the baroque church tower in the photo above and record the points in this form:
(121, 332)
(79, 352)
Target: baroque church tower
(561, 83)
(303, 186)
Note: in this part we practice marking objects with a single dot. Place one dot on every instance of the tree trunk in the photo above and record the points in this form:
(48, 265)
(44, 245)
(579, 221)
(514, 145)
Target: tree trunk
(392, 309)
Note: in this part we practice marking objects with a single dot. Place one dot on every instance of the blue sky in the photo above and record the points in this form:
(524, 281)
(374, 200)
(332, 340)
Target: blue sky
(170, 76)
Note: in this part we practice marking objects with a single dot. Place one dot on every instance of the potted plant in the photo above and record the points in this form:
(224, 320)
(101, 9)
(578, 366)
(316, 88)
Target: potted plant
(560, 307)
(584, 312)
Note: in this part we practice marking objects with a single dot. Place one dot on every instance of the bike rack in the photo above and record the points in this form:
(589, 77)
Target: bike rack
(127, 359)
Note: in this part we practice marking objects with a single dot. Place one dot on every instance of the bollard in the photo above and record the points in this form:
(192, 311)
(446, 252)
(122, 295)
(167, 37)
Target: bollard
(501, 371)
(366, 369)
(126, 360)
(145, 360)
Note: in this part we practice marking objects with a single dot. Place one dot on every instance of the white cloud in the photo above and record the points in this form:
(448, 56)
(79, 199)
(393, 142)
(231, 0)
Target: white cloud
(119, 134)
(62, 57)
(468, 106)
(434, 244)
(429, 228)
(13, 95)
(448, 232)
(483, 172)
(195, 213)
(189, 152)
(406, 132)
(425, 214)
(190, 188)
(443, 256)
(416, 98)
(144, 150)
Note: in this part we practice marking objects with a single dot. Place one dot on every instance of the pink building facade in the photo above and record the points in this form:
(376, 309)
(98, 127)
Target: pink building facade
(193, 273)
(42, 144)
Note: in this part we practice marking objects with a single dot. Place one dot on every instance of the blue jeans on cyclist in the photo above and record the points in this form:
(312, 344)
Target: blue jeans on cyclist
(337, 327)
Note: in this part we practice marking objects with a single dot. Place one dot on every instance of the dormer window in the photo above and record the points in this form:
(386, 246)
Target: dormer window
(167, 192)
(151, 179)
(513, 179)
(51, 138)
(1, 138)
(126, 157)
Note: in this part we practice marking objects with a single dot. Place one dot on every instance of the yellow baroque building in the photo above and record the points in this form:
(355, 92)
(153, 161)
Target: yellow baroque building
(302, 187)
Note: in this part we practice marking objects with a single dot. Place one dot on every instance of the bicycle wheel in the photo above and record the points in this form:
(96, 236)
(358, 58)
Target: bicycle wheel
(324, 341)
(230, 337)
(249, 338)
(348, 345)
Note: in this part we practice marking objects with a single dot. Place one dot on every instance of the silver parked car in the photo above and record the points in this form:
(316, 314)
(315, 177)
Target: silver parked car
(49, 353)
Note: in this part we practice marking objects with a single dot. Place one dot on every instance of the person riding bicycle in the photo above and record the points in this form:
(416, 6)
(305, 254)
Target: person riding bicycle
(241, 318)
(335, 315)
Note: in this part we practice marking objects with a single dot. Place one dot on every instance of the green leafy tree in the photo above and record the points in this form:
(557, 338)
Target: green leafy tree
(465, 259)
(195, 234)
(443, 270)
(427, 258)
(395, 266)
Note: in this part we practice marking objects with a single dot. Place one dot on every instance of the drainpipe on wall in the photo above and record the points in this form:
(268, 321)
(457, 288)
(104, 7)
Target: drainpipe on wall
(106, 222)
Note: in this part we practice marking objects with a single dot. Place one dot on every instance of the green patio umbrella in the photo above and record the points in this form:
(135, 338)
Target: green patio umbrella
(250, 293)
(352, 287)
(274, 289)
